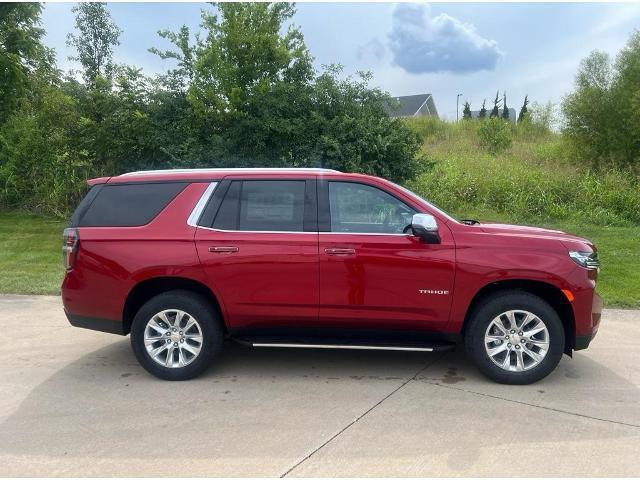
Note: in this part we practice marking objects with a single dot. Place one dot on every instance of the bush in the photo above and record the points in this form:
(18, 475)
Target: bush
(535, 179)
(495, 135)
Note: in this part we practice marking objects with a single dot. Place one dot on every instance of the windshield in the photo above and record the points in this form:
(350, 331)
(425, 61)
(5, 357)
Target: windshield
(418, 197)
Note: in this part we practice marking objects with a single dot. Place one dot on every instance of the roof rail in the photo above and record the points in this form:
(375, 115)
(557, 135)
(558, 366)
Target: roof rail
(213, 170)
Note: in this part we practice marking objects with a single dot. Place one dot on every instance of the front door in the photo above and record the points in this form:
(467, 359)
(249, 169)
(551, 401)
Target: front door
(260, 252)
(372, 274)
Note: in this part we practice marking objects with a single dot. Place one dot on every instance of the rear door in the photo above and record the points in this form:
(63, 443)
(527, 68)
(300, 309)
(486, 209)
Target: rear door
(372, 274)
(258, 242)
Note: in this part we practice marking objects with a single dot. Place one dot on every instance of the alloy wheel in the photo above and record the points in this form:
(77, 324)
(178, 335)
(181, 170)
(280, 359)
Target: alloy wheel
(173, 338)
(516, 340)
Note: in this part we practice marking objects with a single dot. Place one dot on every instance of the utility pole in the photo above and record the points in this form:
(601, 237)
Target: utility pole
(457, 105)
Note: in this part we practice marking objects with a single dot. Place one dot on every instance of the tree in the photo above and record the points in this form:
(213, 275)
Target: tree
(482, 114)
(505, 109)
(97, 35)
(466, 111)
(589, 117)
(495, 112)
(523, 110)
(23, 58)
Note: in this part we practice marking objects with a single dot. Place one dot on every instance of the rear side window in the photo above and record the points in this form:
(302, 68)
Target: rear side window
(263, 205)
(129, 205)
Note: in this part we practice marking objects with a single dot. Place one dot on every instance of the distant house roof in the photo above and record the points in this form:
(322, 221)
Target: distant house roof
(512, 113)
(414, 105)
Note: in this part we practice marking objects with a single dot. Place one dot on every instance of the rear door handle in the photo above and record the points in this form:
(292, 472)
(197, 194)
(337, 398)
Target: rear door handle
(223, 249)
(339, 251)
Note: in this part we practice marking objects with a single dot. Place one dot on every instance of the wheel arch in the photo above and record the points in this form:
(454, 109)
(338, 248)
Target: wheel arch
(546, 291)
(149, 288)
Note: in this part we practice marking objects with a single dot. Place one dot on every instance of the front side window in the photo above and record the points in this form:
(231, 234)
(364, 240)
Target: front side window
(359, 208)
(263, 205)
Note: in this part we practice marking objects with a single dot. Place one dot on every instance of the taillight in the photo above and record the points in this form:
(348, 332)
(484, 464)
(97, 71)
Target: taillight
(70, 240)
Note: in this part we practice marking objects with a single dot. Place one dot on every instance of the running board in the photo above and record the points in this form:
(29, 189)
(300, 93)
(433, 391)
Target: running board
(343, 344)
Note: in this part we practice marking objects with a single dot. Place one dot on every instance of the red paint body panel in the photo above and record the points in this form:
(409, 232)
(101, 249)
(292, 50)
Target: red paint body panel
(272, 279)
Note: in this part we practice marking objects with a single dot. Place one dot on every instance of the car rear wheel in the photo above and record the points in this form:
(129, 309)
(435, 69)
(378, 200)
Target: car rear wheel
(515, 338)
(176, 335)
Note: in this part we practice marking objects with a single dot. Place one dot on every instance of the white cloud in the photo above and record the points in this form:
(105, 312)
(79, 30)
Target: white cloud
(421, 43)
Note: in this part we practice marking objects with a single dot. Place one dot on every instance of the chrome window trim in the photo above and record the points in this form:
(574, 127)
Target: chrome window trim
(254, 231)
(306, 233)
(196, 213)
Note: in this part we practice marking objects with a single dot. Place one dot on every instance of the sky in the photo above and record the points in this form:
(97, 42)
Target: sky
(444, 49)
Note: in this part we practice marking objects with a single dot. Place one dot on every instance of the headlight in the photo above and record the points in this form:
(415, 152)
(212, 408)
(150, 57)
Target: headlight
(586, 259)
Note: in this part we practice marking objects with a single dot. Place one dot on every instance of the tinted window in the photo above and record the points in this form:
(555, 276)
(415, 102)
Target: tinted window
(263, 205)
(359, 208)
(129, 205)
(84, 205)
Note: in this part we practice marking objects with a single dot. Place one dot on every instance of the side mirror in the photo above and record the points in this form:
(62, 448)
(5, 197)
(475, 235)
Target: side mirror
(425, 226)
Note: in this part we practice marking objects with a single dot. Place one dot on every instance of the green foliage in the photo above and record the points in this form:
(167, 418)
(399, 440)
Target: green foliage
(522, 116)
(603, 113)
(94, 42)
(466, 111)
(495, 112)
(495, 135)
(22, 55)
(505, 109)
(534, 179)
(244, 93)
(482, 114)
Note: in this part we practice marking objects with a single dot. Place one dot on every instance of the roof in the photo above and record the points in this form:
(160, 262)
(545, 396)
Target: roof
(192, 174)
(409, 104)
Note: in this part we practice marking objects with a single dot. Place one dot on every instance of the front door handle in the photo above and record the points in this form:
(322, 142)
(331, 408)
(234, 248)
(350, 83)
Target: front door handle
(339, 251)
(223, 249)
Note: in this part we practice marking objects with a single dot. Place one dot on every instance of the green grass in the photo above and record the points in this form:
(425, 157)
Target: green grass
(31, 255)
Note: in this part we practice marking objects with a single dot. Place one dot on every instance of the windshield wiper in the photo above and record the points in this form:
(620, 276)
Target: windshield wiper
(467, 221)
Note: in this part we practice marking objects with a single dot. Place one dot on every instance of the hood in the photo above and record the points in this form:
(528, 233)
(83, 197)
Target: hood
(523, 231)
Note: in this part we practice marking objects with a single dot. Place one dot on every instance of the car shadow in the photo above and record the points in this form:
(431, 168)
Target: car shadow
(90, 399)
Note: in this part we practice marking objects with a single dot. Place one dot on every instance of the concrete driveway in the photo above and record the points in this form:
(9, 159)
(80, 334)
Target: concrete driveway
(75, 403)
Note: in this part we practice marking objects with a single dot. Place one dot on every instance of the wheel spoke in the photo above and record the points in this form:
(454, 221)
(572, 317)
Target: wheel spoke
(177, 319)
(169, 360)
(539, 327)
(506, 363)
(158, 350)
(535, 356)
(494, 351)
(519, 361)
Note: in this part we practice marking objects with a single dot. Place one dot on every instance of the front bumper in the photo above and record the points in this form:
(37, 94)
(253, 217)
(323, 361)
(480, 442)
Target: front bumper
(583, 341)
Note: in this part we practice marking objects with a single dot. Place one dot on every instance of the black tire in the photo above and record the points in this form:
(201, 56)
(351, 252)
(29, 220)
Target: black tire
(196, 306)
(503, 302)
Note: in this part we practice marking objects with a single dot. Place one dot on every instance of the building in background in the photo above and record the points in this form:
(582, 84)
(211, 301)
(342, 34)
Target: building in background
(512, 114)
(414, 106)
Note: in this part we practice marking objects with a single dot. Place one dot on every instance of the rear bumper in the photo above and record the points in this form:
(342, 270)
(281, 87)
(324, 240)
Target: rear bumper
(583, 341)
(99, 324)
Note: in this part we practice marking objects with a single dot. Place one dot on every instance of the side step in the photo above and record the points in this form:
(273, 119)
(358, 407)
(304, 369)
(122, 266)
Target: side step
(344, 344)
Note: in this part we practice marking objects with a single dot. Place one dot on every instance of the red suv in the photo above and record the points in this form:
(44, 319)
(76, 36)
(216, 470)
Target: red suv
(184, 259)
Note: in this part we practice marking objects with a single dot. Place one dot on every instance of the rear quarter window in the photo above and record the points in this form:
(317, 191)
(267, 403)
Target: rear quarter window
(128, 205)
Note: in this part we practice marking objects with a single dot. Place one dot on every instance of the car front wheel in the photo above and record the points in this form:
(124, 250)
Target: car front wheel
(515, 338)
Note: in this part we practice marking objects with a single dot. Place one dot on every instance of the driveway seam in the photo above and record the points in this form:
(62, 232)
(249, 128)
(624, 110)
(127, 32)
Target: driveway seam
(362, 415)
(520, 402)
